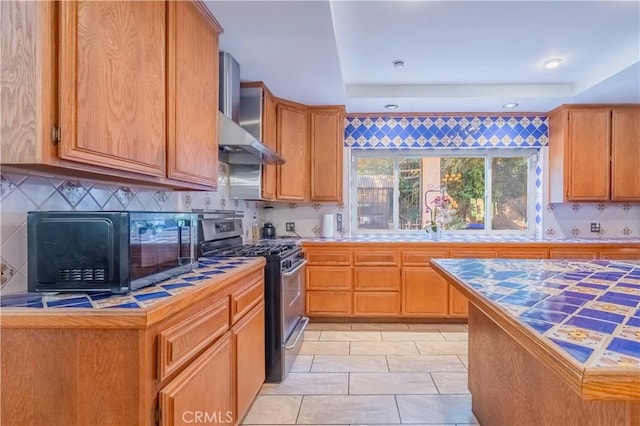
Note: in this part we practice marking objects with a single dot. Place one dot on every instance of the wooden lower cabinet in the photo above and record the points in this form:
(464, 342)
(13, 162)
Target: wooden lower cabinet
(248, 339)
(573, 253)
(202, 389)
(424, 293)
(328, 303)
(376, 304)
(628, 253)
(458, 304)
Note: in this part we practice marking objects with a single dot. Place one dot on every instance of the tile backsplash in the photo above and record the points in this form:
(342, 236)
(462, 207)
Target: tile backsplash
(20, 193)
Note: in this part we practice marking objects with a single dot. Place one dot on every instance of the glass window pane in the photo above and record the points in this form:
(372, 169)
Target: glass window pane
(462, 206)
(509, 193)
(410, 188)
(374, 177)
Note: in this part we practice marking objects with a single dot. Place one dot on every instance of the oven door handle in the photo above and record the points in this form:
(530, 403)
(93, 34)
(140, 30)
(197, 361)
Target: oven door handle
(302, 325)
(290, 273)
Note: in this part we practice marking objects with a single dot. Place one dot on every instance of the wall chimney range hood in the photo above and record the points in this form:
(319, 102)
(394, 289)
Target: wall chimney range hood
(237, 144)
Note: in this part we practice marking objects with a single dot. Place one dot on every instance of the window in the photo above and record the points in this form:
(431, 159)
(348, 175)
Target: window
(455, 191)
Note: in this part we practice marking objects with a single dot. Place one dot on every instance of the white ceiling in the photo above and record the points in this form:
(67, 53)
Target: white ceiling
(461, 56)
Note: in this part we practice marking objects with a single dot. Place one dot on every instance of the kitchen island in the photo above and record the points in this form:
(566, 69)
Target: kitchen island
(551, 342)
(142, 358)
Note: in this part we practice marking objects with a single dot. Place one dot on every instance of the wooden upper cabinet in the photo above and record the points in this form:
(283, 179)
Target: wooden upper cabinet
(326, 128)
(588, 154)
(625, 144)
(594, 152)
(269, 138)
(112, 84)
(292, 176)
(192, 113)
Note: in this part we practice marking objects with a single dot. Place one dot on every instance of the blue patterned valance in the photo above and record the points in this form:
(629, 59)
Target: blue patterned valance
(446, 132)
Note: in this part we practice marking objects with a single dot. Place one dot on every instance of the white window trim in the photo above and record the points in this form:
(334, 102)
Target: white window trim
(487, 154)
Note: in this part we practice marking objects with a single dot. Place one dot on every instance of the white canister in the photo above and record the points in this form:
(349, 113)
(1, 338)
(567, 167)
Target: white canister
(327, 226)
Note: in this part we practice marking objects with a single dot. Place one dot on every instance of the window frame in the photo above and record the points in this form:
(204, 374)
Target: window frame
(531, 154)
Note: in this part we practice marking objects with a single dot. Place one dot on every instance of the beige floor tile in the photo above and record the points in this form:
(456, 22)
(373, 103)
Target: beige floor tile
(312, 336)
(351, 336)
(451, 382)
(302, 364)
(379, 326)
(453, 336)
(383, 348)
(309, 384)
(424, 363)
(442, 348)
(412, 336)
(324, 348)
(390, 383)
(349, 409)
(465, 360)
(348, 363)
(438, 327)
(435, 408)
(273, 409)
(319, 326)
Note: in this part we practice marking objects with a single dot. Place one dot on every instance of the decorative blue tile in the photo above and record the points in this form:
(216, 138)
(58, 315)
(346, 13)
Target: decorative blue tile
(592, 324)
(634, 297)
(520, 301)
(32, 300)
(580, 353)
(618, 300)
(539, 326)
(508, 284)
(634, 321)
(67, 302)
(607, 316)
(531, 295)
(150, 296)
(596, 286)
(629, 285)
(549, 316)
(578, 295)
(625, 346)
(194, 278)
(556, 306)
(86, 304)
(124, 305)
(177, 285)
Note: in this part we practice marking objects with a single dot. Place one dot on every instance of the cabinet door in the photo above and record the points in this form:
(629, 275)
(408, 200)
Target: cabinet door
(326, 126)
(269, 139)
(424, 293)
(621, 253)
(625, 145)
(192, 118)
(328, 303)
(292, 176)
(376, 304)
(458, 304)
(248, 335)
(573, 253)
(528, 253)
(112, 84)
(588, 156)
(205, 387)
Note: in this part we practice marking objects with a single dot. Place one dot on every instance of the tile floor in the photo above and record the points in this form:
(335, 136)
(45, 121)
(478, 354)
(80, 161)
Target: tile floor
(372, 374)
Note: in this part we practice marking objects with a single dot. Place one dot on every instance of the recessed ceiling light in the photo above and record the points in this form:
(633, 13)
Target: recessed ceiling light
(398, 63)
(552, 63)
(391, 106)
(510, 105)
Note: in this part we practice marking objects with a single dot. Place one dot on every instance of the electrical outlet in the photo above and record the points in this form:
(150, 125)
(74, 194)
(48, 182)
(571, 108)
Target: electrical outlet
(595, 227)
(290, 226)
(339, 222)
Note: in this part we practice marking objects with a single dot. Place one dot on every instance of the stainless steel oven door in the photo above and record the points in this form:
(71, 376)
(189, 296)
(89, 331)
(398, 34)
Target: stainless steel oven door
(293, 320)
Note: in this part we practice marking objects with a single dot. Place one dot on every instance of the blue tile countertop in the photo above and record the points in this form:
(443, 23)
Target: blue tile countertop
(137, 299)
(463, 238)
(589, 311)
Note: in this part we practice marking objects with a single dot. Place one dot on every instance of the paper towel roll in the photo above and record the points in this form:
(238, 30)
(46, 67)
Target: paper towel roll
(327, 226)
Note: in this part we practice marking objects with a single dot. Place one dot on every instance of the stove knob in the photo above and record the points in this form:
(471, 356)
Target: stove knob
(286, 264)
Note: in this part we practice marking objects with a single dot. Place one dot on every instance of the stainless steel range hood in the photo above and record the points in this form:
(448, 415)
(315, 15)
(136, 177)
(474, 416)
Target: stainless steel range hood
(236, 144)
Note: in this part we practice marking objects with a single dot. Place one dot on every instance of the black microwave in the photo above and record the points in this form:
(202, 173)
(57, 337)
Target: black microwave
(115, 251)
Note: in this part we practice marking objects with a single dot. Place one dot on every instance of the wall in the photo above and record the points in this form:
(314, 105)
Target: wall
(21, 193)
(553, 221)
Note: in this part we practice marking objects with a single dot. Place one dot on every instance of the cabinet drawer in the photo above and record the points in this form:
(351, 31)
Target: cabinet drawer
(422, 257)
(328, 278)
(246, 298)
(180, 342)
(377, 279)
(328, 303)
(376, 304)
(572, 254)
(333, 257)
(377, 257)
